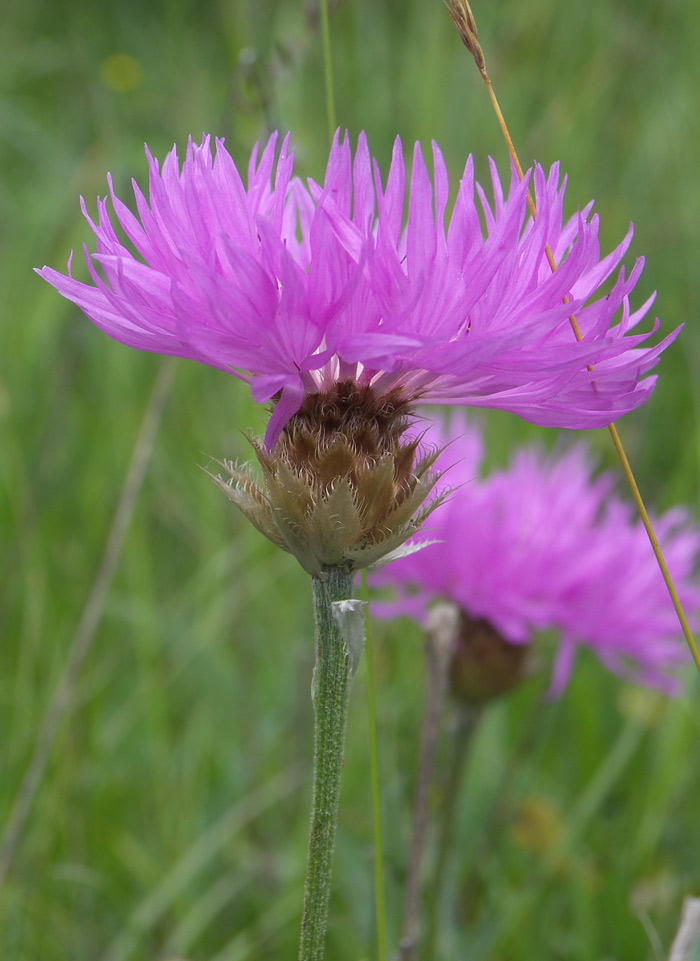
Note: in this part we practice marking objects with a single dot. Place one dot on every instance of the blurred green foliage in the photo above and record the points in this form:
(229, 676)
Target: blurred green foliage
(171, 821)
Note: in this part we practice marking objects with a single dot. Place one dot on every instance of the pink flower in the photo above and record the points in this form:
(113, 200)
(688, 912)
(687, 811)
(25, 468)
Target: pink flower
(546, 544)
(294, 288)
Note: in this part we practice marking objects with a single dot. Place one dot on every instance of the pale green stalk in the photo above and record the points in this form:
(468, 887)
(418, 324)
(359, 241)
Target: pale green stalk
(328, 68)
(441, 637)
(329, 692)
(466, 721)
(379, 902)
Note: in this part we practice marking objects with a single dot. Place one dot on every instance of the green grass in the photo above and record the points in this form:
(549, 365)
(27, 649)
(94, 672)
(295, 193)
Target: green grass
(172, 818)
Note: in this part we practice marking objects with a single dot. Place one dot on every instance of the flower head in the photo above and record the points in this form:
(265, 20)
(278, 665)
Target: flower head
(343, 487)
(297, 288)
(546, 544)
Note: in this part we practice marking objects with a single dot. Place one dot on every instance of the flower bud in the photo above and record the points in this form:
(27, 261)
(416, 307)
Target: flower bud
(484, 665)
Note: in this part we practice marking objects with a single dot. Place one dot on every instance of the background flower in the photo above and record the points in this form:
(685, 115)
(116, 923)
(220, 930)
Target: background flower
(547, 544)
(295, 288)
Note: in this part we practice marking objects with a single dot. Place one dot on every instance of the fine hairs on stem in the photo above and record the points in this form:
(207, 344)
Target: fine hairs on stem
(379, 899)
(464, 21)
(336, 662)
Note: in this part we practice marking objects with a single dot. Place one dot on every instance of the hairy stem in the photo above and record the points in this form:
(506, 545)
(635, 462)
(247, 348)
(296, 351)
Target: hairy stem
(329, 692)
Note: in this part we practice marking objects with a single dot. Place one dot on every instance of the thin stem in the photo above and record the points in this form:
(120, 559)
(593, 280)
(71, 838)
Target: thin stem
(379, 902)
(440, 641)
(656, 547)
(328, 69)
(329, 692)
(462, 736)
(62, 697)
(463, 19)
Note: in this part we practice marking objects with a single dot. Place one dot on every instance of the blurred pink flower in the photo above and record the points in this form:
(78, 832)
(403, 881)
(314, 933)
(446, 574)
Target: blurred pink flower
(294, 288)
(546, 544)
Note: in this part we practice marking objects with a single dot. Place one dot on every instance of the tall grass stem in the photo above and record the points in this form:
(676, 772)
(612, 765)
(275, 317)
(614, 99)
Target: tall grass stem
(62, 697)
(626, 468)
(328, 69)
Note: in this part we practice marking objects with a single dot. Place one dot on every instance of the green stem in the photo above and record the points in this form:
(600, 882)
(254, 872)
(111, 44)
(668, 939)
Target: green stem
(466, 722)
(440, 643)
(328, 68)
(329, 692)
(379, 903)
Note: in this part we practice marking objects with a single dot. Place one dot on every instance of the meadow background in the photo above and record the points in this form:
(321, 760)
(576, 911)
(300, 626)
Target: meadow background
(171, 821)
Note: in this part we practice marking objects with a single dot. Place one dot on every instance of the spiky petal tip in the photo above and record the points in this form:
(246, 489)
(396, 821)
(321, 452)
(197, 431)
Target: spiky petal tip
(295, 288)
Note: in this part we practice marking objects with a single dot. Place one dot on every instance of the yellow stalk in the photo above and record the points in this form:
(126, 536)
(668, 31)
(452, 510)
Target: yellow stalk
(463, 19)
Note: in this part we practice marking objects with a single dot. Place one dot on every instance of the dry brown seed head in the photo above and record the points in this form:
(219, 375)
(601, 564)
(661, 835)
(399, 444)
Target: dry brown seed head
(463, 19)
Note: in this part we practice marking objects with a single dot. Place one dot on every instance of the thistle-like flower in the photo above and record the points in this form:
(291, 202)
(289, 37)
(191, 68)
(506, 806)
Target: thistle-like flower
(296, 289)
(343, 317)
(546, 544)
